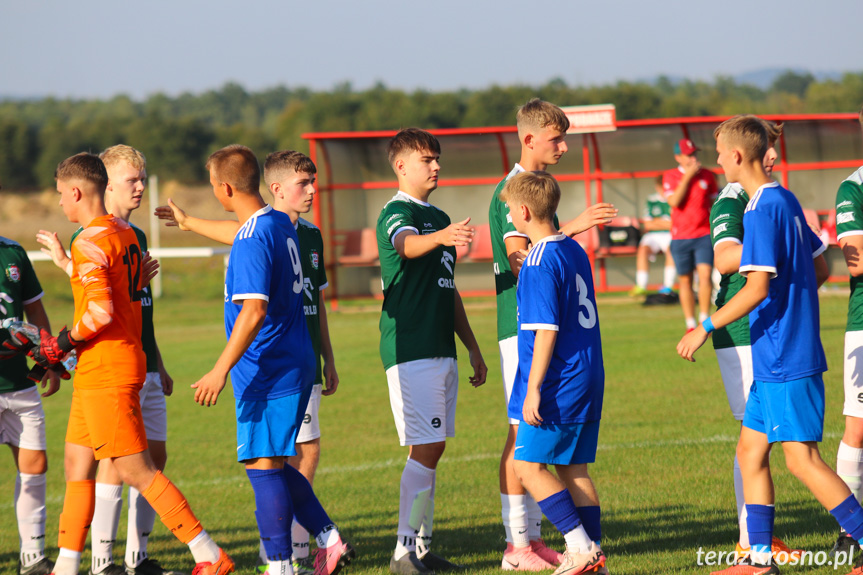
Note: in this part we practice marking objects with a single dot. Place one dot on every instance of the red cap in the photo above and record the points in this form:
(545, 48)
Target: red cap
(685, 147)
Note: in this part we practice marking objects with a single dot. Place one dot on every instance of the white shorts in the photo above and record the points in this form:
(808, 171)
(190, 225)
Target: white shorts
(656, 241)
(853, 373)
(423, 396)
(22, 420)
(154, 411)
(311, 427)
(508, 368)
(735, 365)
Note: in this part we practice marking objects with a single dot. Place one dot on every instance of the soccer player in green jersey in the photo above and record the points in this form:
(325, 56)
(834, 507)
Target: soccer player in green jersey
(733, 351)
(849, 230)
(22, 420)
(127, 177)
(290, 177)
(421, 311)
(542, 130)
(656, 224)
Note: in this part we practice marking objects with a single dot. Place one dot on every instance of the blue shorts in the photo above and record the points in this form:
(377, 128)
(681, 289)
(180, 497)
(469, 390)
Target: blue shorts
(555, 444)
(787, 411)
(689, 253)
(269, 428)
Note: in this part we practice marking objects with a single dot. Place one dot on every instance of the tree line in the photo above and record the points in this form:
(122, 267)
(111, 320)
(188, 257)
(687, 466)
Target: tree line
(178, 133)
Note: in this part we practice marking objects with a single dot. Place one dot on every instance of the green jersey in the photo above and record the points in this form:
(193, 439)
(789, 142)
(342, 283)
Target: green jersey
(418, 314)
(148, 333)
(505, 282)
(657, 208)
(726, 225)
(849, 222)
(314, 280)
(19, 282)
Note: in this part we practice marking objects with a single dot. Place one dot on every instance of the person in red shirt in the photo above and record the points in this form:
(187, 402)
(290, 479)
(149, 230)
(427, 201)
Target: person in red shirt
(690, 191)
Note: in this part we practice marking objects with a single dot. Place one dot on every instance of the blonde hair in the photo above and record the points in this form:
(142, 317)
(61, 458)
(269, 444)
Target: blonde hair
(236, 165)
(278, 163)
(538, 191)
(123, 153)
(538, 114)
(84, 166)
(747, 133)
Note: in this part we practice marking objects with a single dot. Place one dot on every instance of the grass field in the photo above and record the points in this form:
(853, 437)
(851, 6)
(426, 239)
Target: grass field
(663, 468)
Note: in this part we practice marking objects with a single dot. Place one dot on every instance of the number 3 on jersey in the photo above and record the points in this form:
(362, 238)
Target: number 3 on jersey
(586, 318)
(296, 264)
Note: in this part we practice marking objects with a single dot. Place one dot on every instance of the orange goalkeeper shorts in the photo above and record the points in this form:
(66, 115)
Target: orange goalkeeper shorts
(108, 420)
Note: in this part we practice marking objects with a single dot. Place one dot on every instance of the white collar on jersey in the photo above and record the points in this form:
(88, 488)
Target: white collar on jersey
(410, 198)
(266, 209)
(770, 184)
(555, 238)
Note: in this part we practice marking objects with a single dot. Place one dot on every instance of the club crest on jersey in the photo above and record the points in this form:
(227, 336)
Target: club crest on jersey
(13, 273)
(315, 258)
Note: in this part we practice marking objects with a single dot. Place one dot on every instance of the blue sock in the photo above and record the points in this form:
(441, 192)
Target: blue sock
(759, 523)
(274, 512)
(560, 510)
(590, 520)
(849, 515)
(307, 509)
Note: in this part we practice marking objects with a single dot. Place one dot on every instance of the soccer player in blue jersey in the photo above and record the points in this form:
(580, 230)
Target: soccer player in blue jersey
(271, 361)
(559, 386)
(784, 266)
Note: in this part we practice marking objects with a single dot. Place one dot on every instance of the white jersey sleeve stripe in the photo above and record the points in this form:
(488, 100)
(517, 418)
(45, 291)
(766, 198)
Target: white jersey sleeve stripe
(400, 230)
(536, 326)
(245, 296)
(848, 234)
(735, 240)
(753, 268)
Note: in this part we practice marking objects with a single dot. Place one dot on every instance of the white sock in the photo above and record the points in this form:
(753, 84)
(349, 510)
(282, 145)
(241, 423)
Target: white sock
(299, 541)
(328, 537)
(514, 511)
(424, 536)
(262, 553)
(577, 540)
(30, 510)
(414, 494)
(690, 323)
(142, 517)
(68, 562)
(534, 517)
(668, 277)
(280, 568)
(641, 278)
(106, 519)
(702, 316)
(849, 466)
(203, 548)
(741, 507)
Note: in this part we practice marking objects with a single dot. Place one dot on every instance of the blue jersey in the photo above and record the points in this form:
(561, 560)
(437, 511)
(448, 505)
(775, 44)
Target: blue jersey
(785, 327)
(265, 264)
(555, 292)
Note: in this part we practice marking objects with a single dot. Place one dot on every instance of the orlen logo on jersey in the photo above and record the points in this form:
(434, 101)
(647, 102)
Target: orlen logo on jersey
(845, 218)
(448, 261)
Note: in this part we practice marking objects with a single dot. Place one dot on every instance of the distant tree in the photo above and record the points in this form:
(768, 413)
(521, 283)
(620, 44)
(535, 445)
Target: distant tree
(792, 83)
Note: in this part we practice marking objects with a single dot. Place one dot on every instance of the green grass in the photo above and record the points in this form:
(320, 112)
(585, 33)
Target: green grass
(663, 468)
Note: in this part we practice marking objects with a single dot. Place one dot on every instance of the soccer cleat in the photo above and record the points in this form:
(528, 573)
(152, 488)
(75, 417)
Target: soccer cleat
(666, 291)
(746, 567)
(548, 555)
(222, 566)
(577, 563)
(261, 566)
(844, 544)
(110, 569)
(438, 564)
(637, 292)
(523, 559)
(409, 565)
(781, 552)
(330, 560)
(42, 567)
(149, 567)
(304, 565)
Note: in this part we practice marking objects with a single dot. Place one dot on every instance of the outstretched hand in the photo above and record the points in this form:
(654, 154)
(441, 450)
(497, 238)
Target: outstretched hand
(53, 248)
(457, 234)
(596, 214)
(173, 215)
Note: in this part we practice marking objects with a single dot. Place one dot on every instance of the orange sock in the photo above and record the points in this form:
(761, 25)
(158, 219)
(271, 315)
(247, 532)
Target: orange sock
(78, 505)
(172, 508)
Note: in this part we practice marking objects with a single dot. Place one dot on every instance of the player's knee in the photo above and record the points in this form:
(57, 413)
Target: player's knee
(32, 462)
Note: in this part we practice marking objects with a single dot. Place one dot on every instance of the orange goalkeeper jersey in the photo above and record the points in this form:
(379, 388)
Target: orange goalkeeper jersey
(106, 277)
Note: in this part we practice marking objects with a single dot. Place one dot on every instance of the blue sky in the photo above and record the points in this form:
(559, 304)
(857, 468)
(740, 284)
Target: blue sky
(102, 48)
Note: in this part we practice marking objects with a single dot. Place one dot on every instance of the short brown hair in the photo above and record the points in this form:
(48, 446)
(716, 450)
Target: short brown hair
(746, 133)
(538, 114)
(411, 140)
(236, 165)
(283, 161)
(773, 129)
(84, 166)
(123, 153)
(538, 191)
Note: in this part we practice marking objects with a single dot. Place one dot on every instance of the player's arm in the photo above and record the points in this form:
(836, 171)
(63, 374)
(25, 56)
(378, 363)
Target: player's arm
(592, 216)
(747, 299)
(679, 194)
(331, 377)
(411, 245)
(726, 256)
(465, 334)
(167, 380)
(246, 328)
(516, 251)
(222, 231)
(543, 348)
(852, 249)
(822, 271)
(54, 250)
(36, 315)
